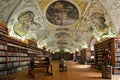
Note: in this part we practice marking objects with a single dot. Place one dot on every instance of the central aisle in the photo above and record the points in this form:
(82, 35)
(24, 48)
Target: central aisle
(74, 72)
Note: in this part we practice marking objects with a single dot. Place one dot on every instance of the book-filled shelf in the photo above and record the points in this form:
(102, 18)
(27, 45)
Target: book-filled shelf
(85, 55)
(117, 52)
(3, 48)
(15, 54)
(113, 44)
(32, 48)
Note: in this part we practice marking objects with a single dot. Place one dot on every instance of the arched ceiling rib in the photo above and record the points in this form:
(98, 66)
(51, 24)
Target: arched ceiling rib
(6, 9)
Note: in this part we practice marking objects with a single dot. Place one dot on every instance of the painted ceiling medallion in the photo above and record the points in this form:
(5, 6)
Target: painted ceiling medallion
(62, 13)
(62, 35)
(62, 43)
(62, 29)
(24, 20)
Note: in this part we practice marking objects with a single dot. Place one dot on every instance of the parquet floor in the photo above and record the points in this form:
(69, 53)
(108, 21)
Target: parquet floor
(74, 72)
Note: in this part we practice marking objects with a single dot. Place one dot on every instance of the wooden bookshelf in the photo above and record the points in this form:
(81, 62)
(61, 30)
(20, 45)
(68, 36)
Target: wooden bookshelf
(114, 45)
(15, 54)
(33, 50)
(85, 55)
(3, 49)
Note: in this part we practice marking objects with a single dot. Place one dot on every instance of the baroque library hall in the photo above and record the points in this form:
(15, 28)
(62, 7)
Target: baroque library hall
(59, 39)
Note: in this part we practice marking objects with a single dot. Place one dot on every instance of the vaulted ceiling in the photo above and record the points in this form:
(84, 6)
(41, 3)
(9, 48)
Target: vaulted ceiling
(68, 25)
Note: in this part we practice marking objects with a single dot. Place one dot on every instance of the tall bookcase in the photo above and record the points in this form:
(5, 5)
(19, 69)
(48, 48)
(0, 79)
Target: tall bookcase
(32, 48)
(114, 45)
(15, 54)
(85, 55)
(117, 52)
(3, 49)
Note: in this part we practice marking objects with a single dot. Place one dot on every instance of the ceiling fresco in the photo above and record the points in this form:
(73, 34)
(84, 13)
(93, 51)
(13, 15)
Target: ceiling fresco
(25, 20)
(79, 5)
(62, 35)
(62, 13)
(61, 24)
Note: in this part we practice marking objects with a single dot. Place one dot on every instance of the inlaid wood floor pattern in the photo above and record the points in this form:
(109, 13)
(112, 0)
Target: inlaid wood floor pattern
(75, 71)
